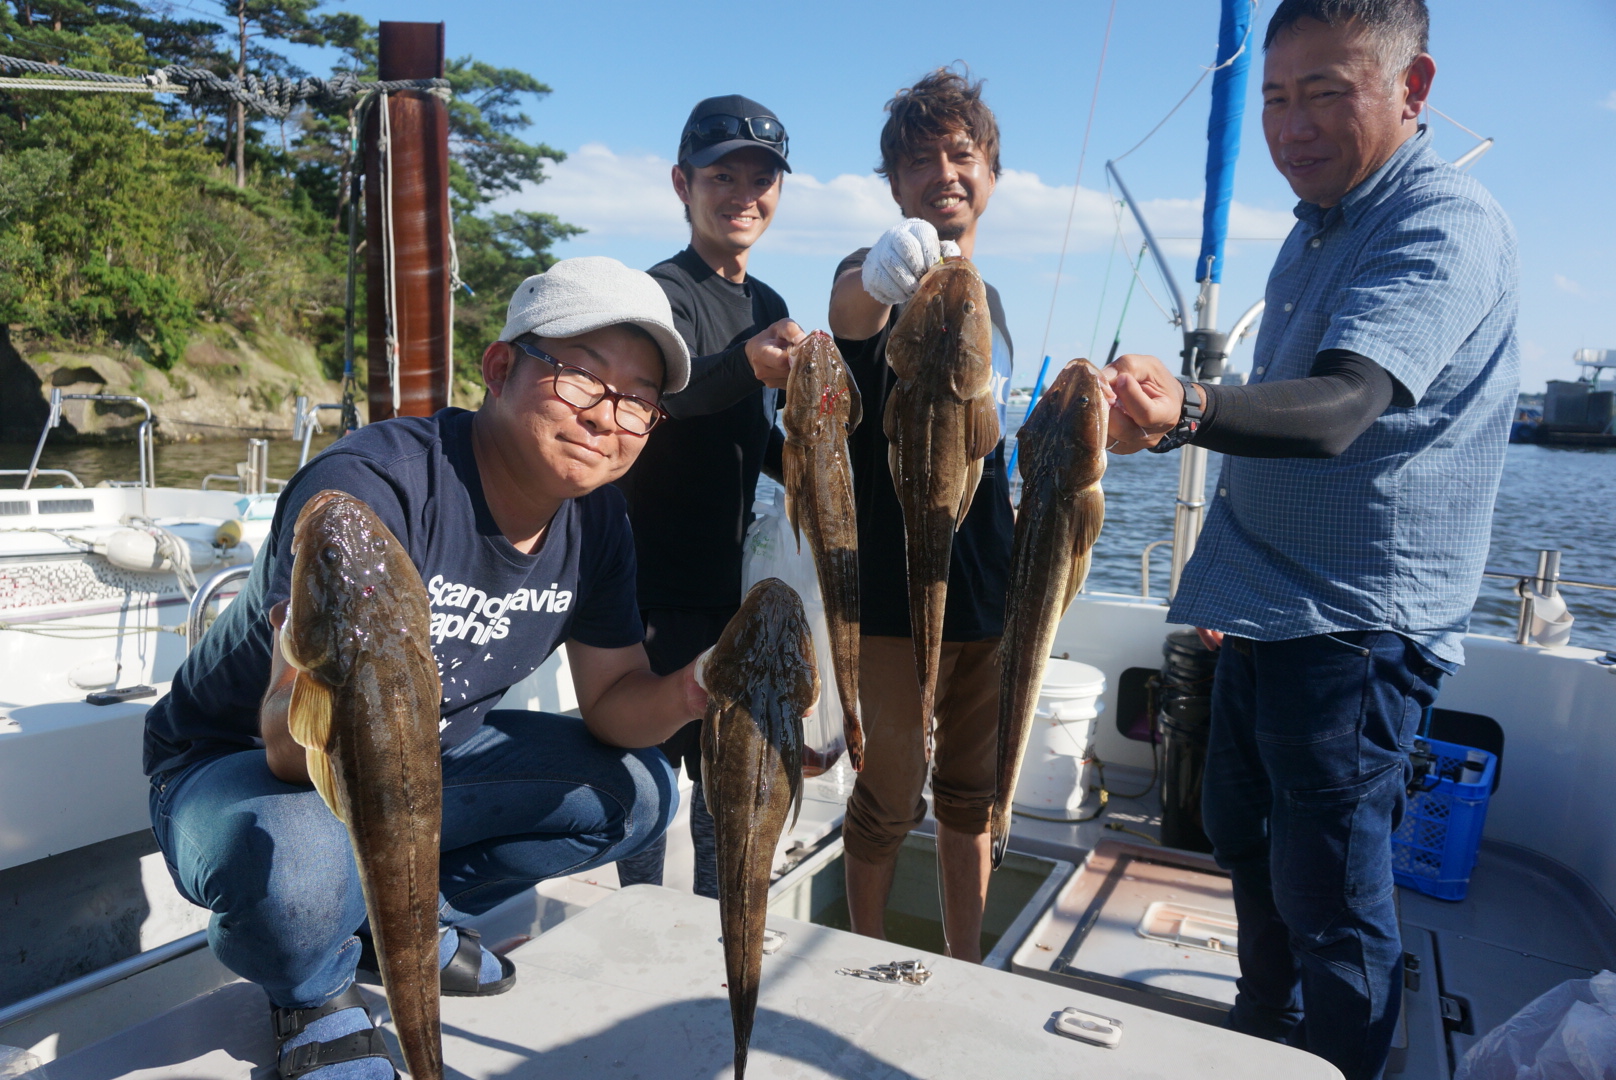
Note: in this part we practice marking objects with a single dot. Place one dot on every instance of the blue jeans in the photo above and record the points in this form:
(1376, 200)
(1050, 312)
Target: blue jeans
(529, 796)
(1307, 764)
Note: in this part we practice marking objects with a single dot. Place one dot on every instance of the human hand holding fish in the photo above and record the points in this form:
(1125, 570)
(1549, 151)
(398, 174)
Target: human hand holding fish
(897, 261)
(1148, 396)
(286, 758)
(769, 352)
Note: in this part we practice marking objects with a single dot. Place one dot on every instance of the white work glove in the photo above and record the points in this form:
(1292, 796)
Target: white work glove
(897, 262)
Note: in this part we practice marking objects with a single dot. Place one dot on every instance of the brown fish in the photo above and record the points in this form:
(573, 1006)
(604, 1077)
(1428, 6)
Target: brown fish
(1062, 452)
(761, 678)
(940, 423)
(822, 408)
(365, 705)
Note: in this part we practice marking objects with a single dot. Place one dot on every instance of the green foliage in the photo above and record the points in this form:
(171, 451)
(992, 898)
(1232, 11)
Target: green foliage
(120, 220)
(496, 253)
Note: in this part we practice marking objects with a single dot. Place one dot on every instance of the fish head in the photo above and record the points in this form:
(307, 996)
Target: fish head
(768, 641)
(343, 557)
(945, 334)
(1064, 436)
(819, 389)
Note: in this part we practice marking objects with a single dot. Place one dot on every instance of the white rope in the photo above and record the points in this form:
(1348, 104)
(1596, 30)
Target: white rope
(77, 632)
(178, 552)
(389, 252)
(82, 87)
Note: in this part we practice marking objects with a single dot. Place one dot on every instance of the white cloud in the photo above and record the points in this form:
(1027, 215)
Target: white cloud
(1565, 284)
(619, 196)
(1609, 102)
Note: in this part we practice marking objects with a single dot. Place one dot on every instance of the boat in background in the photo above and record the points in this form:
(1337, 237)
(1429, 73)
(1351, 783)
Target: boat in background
(1575, 412)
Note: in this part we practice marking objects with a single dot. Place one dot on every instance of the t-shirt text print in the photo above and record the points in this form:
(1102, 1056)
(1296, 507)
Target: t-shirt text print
(497, 612)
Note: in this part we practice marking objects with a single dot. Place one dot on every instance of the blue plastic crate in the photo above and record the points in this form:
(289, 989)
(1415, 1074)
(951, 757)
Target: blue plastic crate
(1435, 848)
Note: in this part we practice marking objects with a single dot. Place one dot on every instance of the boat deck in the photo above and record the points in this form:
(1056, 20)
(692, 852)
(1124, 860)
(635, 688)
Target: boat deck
(630, 981)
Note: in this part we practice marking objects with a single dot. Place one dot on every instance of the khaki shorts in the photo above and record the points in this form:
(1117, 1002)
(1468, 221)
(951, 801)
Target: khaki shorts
(887, 801)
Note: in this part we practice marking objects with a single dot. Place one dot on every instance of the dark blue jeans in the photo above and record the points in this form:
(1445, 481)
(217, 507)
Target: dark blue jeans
(529, 796)
(1307, 764)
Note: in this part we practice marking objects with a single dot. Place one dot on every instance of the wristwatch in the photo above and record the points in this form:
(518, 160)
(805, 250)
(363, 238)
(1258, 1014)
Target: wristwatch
(1189, 421)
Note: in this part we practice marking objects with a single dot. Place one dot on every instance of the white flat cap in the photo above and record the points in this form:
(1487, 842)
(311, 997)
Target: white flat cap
(578, 295)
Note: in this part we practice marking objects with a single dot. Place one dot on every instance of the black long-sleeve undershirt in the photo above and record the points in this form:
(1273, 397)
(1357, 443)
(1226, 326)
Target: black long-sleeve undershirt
(1315, 417)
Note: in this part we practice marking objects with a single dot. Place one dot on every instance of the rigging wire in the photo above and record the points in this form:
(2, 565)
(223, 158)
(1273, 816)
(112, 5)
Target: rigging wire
(1082, 156)
(1205, 71)
(1105, 285)
(1455, 123)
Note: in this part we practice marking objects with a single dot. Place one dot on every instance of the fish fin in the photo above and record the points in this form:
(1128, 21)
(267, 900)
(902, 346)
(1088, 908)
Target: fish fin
(855, 402)
(973, 478)
(1001, 835)
(794, 471)
(890, 420)
(308, 717)
(1089, 506)
(981, 427)
(324, 776)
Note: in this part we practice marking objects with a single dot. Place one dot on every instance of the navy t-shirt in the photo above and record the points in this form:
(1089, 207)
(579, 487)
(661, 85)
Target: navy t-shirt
(497, 613)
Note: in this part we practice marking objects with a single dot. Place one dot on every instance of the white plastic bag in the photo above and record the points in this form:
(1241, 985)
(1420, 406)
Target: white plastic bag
(1567, 1034)
(770, 550)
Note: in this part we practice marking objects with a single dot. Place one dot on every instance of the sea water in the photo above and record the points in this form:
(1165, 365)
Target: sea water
(1551, 497)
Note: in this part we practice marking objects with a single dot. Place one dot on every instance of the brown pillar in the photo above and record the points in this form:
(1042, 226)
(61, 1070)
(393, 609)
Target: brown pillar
(418, 186)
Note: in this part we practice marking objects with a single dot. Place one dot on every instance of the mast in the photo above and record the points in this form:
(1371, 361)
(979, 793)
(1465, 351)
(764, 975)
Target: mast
(1205, 350)
(406, 141)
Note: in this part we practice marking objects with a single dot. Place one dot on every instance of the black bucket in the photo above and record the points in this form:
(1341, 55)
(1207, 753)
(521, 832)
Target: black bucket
(1183, 715)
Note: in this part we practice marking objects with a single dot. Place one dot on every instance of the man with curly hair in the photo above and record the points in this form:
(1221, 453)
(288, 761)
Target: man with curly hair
(940, 154)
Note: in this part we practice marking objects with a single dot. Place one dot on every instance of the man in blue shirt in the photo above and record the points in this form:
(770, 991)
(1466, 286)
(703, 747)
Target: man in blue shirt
(1345, 540)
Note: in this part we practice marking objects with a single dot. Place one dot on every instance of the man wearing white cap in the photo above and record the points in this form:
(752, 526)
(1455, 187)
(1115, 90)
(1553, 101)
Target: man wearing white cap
(523, 544)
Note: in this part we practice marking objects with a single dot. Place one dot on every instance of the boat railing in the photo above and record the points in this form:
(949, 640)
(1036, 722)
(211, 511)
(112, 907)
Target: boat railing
(144, 440)
(306, 425)
(196, 617)
(1546, 582)
(33, 473)
(1144, 565)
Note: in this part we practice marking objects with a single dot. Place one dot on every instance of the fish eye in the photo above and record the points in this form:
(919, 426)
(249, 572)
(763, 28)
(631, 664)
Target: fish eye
(330, 555)
(970, 307)
(1083, 400)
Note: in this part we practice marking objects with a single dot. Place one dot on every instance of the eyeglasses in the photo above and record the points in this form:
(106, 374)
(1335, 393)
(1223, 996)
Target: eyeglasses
(583, 390)
(716, 127)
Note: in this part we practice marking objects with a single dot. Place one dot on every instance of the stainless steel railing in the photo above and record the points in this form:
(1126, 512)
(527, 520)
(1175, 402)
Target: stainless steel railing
(196, 618)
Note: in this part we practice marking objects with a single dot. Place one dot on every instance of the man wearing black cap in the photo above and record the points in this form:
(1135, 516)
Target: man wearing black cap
(690, 495)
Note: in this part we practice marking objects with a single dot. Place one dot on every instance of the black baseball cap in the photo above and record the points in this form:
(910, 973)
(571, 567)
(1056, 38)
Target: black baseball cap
(719, 125)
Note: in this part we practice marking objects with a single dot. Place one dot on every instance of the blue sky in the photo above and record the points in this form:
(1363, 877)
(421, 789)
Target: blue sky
(1537, 77)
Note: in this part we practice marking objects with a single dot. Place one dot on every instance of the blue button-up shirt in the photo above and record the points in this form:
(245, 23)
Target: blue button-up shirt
(1415, 269)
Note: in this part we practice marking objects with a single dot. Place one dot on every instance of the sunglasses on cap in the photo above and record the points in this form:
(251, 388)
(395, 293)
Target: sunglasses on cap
(717, 127)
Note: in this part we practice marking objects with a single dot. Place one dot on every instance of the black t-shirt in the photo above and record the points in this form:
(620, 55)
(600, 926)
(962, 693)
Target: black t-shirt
(690, 493)
(497, 613)
(980, 567)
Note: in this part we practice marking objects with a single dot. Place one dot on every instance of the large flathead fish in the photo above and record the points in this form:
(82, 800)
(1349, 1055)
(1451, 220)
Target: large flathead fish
(1062, 452)
(940, 423)
(822, 409)
(761, 678)
(365, 705)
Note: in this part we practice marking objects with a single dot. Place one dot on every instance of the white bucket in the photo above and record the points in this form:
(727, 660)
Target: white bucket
(1052, 772)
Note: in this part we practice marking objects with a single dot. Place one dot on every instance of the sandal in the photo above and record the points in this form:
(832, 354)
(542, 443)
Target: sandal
(288, 1023)
(457, 978)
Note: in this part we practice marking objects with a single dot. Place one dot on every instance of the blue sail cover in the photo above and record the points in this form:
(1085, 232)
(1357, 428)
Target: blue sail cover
(1223, 133)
